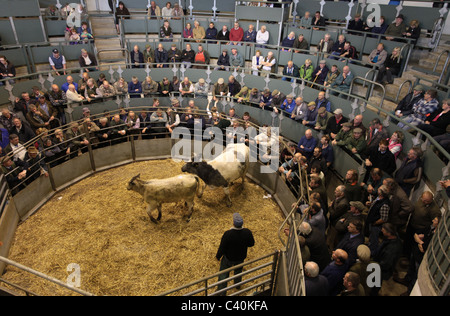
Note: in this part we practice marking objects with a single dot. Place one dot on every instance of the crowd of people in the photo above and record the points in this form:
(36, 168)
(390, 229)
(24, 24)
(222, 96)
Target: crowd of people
(370, 218)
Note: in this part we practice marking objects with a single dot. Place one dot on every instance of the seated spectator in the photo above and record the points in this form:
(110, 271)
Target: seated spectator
(305, 20)
(121, 86)
(257, 61)
(396, 29)
(85, 33)
(87, 61)
(154, 11)
(349, 52)
(243, 95)
(177, 12)
(358, 122)
(162, 57)
(134, 88)
(211, 33)
(262, 37)
(220, 89)
(74, 36)
(77, 140)
(52, 13)
(254, 97)
(290, 70)
(342, 135)
(410, 171)
(378, 55)
(391, 67)
(167, 11)
(319, 74)
(380, 29)
(326, 44)
(165, 87)
(307, 144)
(236, 59)
(57, 62)
(118, 129)
(343, 81)
(7, 70)
(201, 57)
(233, 86)
(306, 70)
(174, 54)
(356, 24)
(338, 47)
(224, 34)
(404, 107)
(92, 93)
(278, 98)
(137, 58)
(265, 100)
(236, 34)
(288, 105)
(201, 89)
(223, 62)
(311, 115)
(436, 123)
(332, 75)
(318, 21)
(421, 109)
(148, 55)
(159, 122)
(199, 32)
(413, 31)
(187, 32)
(187, 56)
(165, 32)
(149, 86)
(250, 34)
(65, 85)
(288, 41)
(15, 173)
(300, 44)
(186, 88)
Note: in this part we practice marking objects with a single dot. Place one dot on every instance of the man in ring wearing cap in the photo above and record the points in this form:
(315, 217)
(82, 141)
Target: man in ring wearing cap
(233, 249)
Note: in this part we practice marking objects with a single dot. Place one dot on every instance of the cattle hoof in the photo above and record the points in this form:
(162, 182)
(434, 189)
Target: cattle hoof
(153, 220)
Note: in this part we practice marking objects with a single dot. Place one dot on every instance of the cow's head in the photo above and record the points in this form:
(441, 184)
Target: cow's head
(190, 167)
(131, 183)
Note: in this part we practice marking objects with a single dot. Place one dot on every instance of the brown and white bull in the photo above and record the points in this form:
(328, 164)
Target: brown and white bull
(229, 166)
(171, 190)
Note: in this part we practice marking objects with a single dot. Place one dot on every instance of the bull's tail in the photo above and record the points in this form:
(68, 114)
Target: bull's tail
(200, 187)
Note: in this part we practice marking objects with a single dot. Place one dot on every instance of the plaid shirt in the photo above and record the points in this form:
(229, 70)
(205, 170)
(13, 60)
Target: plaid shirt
(422, 109)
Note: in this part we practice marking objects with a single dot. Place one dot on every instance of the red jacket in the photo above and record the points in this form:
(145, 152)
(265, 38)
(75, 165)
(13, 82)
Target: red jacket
(236, 35)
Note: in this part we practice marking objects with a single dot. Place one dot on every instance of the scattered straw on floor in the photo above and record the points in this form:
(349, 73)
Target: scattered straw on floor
(105, 229)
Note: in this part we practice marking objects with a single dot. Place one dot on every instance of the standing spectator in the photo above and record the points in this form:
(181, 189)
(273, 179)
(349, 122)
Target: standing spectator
(307, 144)
(376, 133)
(396, 143)
(335, 271)
(377, 216)
(315, 241)
(121, 10)
(352, 239)
(58, 100)
(315, 283)
(233, 249)
(410, 171)
(352, 285)
(236, 34)
(57, 62)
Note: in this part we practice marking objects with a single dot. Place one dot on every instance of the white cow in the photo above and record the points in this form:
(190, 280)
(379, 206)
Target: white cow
(230, 165)
(158, 191)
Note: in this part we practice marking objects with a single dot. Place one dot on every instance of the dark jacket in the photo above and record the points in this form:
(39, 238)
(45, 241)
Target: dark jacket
(318, 248)
(387, 256)
(385, 161)
(406, 104)
(234, 244)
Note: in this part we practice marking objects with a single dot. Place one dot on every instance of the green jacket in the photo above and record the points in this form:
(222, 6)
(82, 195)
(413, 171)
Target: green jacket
(360, 144)
(321, 122)
(342, 136)
(306, 72)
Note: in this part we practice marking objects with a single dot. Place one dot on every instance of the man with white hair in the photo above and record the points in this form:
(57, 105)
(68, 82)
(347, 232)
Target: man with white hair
(315, 240)
(315, 283)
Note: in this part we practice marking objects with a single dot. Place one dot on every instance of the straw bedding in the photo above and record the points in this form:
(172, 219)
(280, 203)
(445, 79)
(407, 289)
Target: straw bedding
(105, 229)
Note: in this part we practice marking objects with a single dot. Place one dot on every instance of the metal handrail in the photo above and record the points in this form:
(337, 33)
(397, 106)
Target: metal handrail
(372, 82)
(400, 89)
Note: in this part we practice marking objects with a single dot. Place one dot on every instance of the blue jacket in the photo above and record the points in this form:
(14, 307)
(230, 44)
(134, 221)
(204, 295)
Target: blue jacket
(308, 144)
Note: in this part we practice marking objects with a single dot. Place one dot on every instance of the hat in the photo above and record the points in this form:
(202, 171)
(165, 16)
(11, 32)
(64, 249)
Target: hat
(322, 110)
(237, 220)
(400, 16)
(275, 92)
(358, 205)
(337, 111)
(174, 45)
(418, 87)
(201, 80)
(312, 103)
(55, 51)
(86, 110)
(220, 81)
(357, 130)
(347, 124)
(323, 61)
(363, 253)
(174, 101)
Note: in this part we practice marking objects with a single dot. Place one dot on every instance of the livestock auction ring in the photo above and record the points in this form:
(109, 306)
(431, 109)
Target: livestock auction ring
(103, 228)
